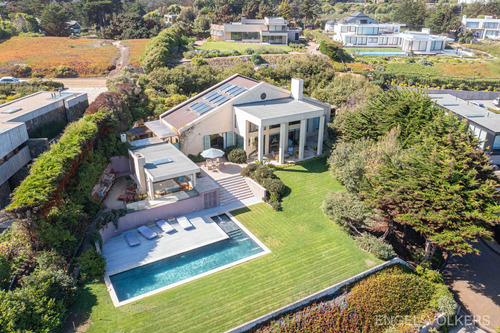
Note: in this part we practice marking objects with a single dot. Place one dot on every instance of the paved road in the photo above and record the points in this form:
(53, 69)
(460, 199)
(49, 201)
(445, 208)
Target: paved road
(476, 281)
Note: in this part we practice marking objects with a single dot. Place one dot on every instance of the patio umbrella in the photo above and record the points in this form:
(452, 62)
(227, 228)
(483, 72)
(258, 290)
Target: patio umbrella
(212, 153)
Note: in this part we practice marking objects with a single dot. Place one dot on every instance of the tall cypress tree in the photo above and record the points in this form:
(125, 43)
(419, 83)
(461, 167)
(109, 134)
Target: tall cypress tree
(444, 187)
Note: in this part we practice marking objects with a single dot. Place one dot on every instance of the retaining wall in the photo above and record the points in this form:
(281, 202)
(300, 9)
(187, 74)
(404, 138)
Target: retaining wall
(257, 190)
(314, 297)
(119, 165)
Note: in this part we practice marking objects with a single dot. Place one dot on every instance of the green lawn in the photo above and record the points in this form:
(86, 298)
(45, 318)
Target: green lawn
(230, 46)
(308, 254)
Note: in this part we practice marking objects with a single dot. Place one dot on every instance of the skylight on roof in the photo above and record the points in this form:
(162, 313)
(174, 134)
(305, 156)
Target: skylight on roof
(451, 104)
(10, 110)
(163, 161)
(200, 108)
(474, 115)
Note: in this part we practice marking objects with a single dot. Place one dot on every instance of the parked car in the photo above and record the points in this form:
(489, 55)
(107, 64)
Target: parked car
(10, 79)
(496, 101)
(481, 105)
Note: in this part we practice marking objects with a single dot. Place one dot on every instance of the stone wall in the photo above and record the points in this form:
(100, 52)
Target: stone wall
(37, 146)
(57, 115)
(4, 194)
(257, 190)
(75, 107)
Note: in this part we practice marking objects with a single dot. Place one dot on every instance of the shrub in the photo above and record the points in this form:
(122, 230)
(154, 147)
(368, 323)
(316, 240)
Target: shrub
(262, 172)
(229, 149)
(198, 61)
(237, 155)
(20, 70)
(248, 51)
(65, 72)
(375, 246)
(249, 170)
(257, 59)
(425, 62)
(275, 205)
(93, 265)
(447, 305)
(274, 186)
(95, 237)
(196, 158)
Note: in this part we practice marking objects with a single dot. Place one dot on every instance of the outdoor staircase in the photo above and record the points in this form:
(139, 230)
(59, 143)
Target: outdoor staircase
(233, 188)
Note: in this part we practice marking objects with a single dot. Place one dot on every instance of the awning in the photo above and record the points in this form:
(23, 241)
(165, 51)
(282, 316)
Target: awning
(160, 129)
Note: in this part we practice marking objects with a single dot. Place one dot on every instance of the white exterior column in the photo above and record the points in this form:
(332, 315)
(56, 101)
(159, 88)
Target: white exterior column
(283, 141)
(193, 179)
(260, 144)
(245, 137)
(302, 138)
(321, 133)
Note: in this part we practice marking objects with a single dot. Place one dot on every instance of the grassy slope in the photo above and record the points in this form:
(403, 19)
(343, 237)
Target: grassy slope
(478, 69)
(309, 253)
(136, 49)
(229, 46)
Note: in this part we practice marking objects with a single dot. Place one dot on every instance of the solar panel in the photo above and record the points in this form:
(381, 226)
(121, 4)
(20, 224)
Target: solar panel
(220, 99)
(235, 91)
(226, 87)
(211, 96)
(200, 107)
(163, 161)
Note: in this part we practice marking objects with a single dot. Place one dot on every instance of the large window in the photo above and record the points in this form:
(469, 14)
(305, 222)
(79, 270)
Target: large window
(276, 40)
(350, 40)
(372, 40)
(437, 45)
(368, 30)
(393, 40)
(496, 143)
(419, 46)
(250, 35)
(343, 29)
(361, 40)
(382, 40)
(277, 28)
(491, 33)
(472, 25)
(491, 25)
(235, 35)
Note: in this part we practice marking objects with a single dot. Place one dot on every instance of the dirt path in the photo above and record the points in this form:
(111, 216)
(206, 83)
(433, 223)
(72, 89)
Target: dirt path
(122, 60)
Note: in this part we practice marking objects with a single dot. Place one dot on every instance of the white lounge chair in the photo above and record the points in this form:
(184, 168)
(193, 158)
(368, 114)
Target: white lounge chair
(165, 226)
(184, 223)
(147, 232)
(131, 238)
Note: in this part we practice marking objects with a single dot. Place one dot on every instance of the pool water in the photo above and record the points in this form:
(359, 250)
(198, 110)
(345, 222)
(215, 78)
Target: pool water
(162, 273)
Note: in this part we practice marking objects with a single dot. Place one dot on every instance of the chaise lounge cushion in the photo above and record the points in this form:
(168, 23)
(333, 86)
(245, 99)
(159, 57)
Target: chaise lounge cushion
(147, 232)
(165, 226)
(131, 238)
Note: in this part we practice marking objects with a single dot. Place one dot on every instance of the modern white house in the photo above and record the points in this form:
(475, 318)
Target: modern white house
(270, 30)
(263, 119)
(360, 30)
(468, 2)
(170, 19)
(483, 123)
(482, 28)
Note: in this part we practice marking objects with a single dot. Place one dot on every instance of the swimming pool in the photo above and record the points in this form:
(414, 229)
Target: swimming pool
(185, 266)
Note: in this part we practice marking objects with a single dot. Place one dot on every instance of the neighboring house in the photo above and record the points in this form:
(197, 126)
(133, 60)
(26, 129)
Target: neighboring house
(360, 30)
(161, 169)
(329, 26)
(74, 27)
(482, 28)
(256, 116)
(468, 2)
(170, 19)
(21, 123)
(270, 30)
(484, 123)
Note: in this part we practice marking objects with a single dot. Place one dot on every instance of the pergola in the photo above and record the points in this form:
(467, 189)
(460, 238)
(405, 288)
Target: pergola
(281, 112)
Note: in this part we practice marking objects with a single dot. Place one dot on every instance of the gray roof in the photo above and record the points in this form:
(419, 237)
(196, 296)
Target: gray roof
(278, 108)
(160, 129)
(465, 109)
(181, 165)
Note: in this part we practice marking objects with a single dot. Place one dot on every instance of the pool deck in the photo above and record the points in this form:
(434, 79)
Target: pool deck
(121, 257)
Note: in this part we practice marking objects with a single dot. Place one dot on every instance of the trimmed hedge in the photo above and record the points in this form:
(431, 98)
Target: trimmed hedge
(50, 168)
(237, 155)
(267, 179)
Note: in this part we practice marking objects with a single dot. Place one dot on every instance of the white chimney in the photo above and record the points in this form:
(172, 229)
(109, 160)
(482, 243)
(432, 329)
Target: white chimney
(243, 19)
(297, 89)
(426, 31)
(123, 137)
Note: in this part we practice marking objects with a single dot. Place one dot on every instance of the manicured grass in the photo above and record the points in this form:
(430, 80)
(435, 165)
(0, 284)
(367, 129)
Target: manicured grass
(309, 253)
(373, 49)
(230, 46)
(88, 57)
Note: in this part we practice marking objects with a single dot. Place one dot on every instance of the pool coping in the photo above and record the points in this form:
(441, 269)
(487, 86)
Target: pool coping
(117, 303)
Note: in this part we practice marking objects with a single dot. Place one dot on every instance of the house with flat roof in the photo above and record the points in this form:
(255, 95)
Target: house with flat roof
(22, 123)
(482, 28)
(484, 123)
(269, 30)
(261, 118)
(360, 30)
(161, 169)
(170, 19)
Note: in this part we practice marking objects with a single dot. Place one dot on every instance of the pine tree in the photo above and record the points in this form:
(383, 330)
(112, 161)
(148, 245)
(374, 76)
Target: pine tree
(285, 10)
